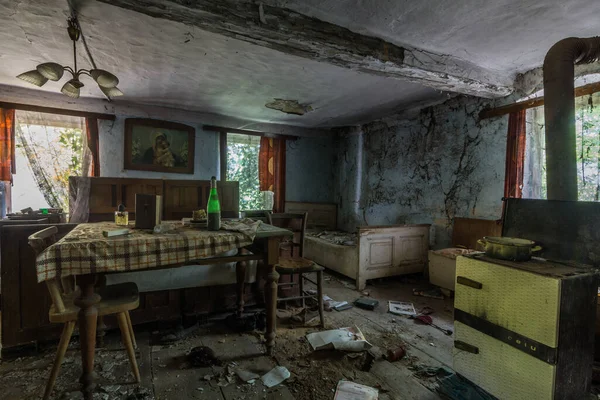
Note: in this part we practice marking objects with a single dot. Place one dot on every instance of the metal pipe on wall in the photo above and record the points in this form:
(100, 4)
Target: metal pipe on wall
(559, 111)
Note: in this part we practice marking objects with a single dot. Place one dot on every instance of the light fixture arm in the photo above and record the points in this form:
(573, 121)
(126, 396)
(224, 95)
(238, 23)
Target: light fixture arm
(106, 81)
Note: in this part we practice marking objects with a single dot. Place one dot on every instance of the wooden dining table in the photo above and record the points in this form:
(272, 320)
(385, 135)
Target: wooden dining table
(87, 254)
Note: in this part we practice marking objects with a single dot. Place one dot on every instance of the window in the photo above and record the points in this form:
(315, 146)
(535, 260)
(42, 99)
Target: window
(242, 166)
(587, 123)
(48, 150)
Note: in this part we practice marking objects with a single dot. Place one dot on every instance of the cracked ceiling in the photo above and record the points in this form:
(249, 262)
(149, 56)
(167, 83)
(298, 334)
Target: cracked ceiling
(190, 59)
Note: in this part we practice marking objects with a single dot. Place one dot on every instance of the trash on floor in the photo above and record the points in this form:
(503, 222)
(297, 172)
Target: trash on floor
(367, 304)
(396, 354)
(347, 390)
(401, 308)
(275, 376)
(203, 356)
(344, 339)
(330, 304)
(434, 293)
(454, 387)
(245, 375)
(344, 306)
(427, 320)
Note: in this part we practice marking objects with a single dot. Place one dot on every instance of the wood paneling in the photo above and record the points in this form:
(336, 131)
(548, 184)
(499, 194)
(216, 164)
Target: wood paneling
(467, 231)
(25, 303)
(183, 197)
(320, 215)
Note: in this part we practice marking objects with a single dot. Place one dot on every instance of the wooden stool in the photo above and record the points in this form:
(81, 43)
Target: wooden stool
(115, 299)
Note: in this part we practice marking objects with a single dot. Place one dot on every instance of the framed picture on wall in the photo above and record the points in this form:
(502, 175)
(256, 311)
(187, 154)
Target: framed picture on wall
(161, 146)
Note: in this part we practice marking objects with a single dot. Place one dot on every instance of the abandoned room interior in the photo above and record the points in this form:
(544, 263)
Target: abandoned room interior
(299, 199)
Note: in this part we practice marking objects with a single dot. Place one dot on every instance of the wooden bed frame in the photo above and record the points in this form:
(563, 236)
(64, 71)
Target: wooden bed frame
(381, 251)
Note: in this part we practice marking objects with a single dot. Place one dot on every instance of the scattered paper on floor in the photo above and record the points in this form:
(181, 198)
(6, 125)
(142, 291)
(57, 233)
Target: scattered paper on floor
(347, 390)
(275, 376)
(401, 308)
(344, 339)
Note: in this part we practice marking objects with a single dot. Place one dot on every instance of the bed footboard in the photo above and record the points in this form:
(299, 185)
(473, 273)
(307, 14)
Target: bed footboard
(391, 250)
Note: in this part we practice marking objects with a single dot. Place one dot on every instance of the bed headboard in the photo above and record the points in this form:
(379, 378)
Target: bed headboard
(320, 215)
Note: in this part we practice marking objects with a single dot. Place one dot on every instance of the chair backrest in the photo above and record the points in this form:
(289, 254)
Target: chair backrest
(57, 287)
(260, 215)
(295, 222)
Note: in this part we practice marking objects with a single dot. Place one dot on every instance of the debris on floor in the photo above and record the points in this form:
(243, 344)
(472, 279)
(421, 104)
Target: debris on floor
(401, 308)
(330, 304)
(275, 376)
(344, 339)
(427, 320)
(203, 356)
(367, 304)
(434, 293)
(245, 375)
(454, 387)
(396, 354)
(347, 390)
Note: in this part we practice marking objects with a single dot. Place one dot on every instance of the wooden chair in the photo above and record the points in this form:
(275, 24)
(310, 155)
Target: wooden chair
(115, 299)
(292, 261)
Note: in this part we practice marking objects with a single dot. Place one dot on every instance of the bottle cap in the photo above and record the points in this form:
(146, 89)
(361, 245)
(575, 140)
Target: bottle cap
(121, 208)
(213, 178)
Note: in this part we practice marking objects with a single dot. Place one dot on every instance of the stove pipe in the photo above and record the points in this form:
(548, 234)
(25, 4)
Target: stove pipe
(559, 112)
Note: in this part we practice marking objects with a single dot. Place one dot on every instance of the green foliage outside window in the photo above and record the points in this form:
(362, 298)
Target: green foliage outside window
(242, 166)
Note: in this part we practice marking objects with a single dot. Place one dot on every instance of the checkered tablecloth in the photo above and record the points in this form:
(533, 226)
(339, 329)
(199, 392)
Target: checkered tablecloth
(85, 250)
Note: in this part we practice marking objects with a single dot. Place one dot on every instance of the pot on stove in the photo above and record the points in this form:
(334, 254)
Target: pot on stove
(507, 248)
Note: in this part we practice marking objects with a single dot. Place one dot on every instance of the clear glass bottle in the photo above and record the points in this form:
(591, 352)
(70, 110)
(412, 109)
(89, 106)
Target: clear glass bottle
(213, 208)
(121, 216)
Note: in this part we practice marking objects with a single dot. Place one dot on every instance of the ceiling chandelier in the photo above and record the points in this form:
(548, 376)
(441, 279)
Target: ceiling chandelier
(106, 81)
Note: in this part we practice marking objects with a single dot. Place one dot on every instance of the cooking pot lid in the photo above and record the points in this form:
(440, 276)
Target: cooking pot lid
(508, 241)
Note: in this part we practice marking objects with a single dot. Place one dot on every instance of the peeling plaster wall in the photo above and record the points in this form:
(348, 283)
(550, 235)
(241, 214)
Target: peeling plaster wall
(112, 134)
(309, 169)
(442, 164)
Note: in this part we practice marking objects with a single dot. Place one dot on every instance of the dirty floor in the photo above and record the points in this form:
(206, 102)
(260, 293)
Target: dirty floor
(167, 373)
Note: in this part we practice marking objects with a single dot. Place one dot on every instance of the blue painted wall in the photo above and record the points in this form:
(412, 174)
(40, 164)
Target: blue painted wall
(309, 169)
(441, 164)
(112, 136)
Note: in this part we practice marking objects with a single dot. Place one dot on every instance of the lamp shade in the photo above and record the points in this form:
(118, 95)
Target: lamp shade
(50, 70)
(111, 92)
(33, 77)
(72, 88)
(104, 78)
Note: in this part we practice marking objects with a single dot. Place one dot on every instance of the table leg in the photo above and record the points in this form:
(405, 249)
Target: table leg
(87, 317)
(271, 292)
(240, 274)
(101, 327)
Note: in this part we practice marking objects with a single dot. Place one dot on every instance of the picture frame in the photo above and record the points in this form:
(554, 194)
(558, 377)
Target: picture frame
(160, 146)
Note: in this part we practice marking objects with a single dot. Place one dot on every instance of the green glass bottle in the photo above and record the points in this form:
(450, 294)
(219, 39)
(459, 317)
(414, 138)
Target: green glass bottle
(213, 209)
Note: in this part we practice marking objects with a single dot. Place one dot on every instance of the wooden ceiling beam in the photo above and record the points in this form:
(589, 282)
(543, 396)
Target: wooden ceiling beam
(299, 35)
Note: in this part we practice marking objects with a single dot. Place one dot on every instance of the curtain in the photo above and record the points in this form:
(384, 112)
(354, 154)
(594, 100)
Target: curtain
(515, 155)
(55, 147)
(271, 170)
(93, 145)
(7, 145)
